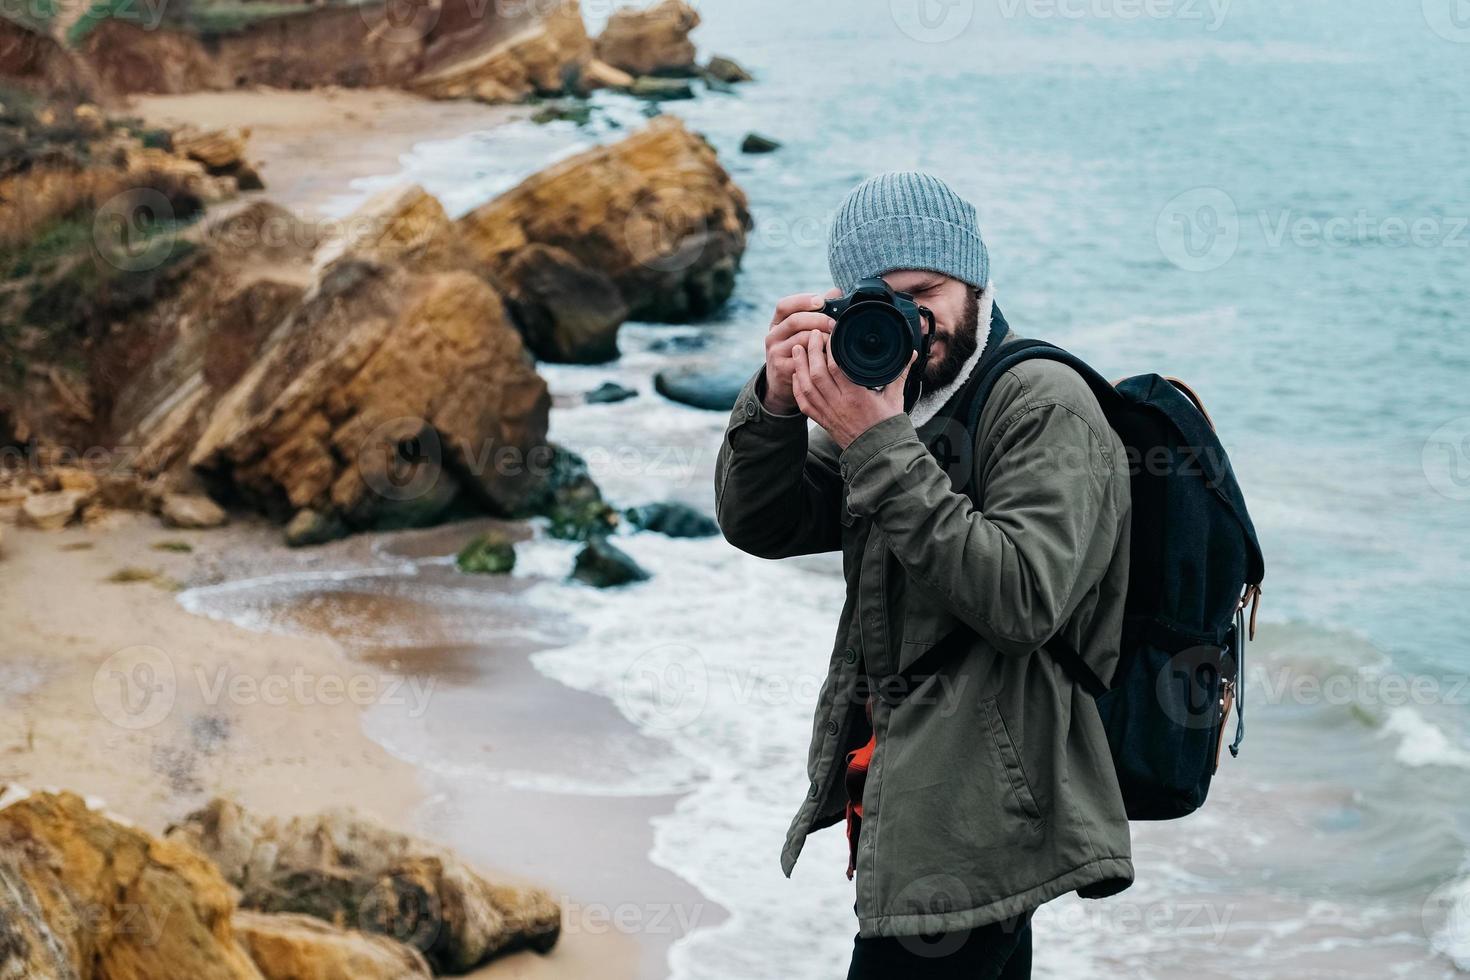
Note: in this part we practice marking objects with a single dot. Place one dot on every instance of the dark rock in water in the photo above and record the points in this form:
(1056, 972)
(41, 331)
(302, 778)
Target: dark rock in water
(609, 391)
(311, 527)
(572, 501)
(603, 565)
(756, 143)
(662, 89)
(491, 553)
(566, 311)
(726, 70)
(672, 518)
(712, 388)
(684, 342)
(572, 112)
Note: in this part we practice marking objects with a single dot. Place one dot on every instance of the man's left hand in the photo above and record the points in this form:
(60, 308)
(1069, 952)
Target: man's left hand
(825, 395)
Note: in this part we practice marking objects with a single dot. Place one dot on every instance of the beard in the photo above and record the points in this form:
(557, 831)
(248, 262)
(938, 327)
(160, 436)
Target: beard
(959, 344)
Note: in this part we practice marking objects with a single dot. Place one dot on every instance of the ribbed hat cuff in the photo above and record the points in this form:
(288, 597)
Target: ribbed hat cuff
(882, 245)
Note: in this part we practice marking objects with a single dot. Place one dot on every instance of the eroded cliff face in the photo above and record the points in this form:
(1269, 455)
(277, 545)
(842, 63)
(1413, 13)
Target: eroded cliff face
(147, 48)
(376, 376)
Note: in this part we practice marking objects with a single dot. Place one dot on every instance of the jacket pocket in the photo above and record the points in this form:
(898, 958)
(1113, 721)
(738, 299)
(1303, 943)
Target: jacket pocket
(1010, 760)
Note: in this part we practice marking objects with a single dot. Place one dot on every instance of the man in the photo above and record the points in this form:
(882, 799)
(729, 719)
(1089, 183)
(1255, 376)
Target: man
(989, 789)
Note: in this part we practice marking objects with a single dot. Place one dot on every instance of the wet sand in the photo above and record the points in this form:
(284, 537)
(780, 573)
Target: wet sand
(72, 643)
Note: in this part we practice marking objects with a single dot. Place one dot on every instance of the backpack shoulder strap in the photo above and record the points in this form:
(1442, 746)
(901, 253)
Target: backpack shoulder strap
(998, 360)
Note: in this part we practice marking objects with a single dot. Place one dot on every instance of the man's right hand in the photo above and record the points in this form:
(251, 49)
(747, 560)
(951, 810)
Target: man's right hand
(795, 317)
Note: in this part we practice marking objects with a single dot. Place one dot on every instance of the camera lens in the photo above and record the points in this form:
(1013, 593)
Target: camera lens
(871, 343)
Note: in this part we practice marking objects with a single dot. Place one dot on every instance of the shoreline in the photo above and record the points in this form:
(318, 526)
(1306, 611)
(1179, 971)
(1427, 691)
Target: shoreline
(297, 758)
(312, 145)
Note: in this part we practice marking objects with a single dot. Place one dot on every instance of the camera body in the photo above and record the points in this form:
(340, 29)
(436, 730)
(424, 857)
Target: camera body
(877, 330)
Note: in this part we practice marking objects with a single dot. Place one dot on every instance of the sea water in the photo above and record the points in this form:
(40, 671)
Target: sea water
(1269, 199)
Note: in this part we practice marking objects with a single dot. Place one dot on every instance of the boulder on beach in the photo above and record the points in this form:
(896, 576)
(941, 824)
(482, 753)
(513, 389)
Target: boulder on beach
(344, 869)
(310, 527)
(50, 511)
(654, 41)
(88, 897)
(655, 213)
(385, 398)
(673, 519)
(599, 74)
(714, 388)
(300, 947)
(403, 224)
(567, 311)
(572, 501)
(604, 565)
(546, 58)
(191, 510)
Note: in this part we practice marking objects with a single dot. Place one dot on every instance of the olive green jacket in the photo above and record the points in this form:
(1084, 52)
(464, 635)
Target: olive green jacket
(991, 790)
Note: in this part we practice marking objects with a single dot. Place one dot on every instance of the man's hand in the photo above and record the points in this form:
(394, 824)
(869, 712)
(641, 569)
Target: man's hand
(795, 319)
(825, 395)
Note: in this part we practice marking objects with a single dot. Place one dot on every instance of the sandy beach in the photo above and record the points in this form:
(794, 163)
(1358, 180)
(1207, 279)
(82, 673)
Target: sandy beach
(268, 718)
(226, 730)
(312, 144)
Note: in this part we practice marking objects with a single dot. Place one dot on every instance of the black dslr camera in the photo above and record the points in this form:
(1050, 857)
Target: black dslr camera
(877, 329)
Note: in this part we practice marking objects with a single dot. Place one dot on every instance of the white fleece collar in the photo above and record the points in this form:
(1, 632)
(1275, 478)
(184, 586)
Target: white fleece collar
(931, 402)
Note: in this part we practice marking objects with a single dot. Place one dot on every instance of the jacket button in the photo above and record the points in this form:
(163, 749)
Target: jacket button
(750, 410)
(813, 791)
(850, 655)
(831, 728)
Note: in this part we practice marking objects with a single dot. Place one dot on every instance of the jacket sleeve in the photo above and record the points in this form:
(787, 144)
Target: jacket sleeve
(1010, 570)
(774, 498)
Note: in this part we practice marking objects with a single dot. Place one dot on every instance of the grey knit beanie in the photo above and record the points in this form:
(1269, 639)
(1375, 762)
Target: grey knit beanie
(906, 220)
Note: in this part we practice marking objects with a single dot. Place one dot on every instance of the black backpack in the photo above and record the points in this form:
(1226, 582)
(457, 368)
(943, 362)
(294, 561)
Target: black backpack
(1195, 564)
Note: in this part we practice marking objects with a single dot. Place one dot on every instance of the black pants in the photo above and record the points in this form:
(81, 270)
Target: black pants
(1001, 951)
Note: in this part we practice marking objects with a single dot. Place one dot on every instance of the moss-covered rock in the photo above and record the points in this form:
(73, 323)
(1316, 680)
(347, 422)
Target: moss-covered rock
(491, 553)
